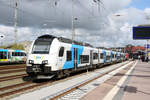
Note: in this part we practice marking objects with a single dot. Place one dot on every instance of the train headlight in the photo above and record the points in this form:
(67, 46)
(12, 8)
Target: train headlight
(45, 62)
(31, 61)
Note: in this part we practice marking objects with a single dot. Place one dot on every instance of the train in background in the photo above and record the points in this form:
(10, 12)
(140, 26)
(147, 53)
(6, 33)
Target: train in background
(56, 56)
(8, 56)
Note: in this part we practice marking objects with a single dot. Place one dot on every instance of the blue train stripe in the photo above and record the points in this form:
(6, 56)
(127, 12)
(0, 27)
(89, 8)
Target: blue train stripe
(70, 64)
(6, 50)
(104, 53)
(18, 50)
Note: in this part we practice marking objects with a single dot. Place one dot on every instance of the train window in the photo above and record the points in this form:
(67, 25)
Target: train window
(69, 55)
(3, 55)
(8, 55)
(13, 54)
(95, 55)
(61, 52)
(41, 47)
(25, 54)
(16, 53)
(101, 56)
(113, 55)
(84, 59)
(107, 57)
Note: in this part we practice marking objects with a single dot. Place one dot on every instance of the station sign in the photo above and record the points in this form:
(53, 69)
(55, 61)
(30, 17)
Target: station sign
(141, 32)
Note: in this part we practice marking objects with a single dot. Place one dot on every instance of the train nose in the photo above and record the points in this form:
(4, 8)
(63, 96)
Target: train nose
(38, 59)
(36, 68)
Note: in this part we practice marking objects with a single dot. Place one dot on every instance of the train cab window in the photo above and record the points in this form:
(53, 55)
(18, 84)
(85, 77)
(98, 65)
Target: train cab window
(69, 55)
(95, 55)
(24, 54)
(41, 47)
(101, 56)
(21, 53)
(61, 52)
(3, 55)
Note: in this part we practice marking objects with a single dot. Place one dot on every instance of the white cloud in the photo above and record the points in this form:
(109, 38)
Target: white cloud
(96, 27)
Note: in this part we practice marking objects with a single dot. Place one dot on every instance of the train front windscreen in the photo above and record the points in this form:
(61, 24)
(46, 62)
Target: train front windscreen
(41, 47)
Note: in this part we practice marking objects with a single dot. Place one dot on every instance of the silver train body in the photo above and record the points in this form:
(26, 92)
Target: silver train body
(50, 55)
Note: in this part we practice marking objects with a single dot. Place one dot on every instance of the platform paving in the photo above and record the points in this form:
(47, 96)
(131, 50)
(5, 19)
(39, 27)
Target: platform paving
(138, 87)
(132, 83)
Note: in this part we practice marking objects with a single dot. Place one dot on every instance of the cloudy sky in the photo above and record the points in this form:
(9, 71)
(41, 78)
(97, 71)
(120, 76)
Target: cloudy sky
(107, 23)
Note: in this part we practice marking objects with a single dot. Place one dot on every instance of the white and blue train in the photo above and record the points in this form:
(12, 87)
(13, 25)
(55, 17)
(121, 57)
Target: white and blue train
(8, 56)
(50, 55)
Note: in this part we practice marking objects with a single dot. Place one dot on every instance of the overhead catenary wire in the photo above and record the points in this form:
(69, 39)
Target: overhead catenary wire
(27, 12)
(60, 10)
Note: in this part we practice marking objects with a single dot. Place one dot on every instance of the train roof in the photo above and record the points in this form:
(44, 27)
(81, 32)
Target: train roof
(65, 40)
(12, 50)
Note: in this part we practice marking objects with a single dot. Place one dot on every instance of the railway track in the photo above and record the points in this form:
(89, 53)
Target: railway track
(10, 91)
(7, 67)
(11, 77)
(12, 70)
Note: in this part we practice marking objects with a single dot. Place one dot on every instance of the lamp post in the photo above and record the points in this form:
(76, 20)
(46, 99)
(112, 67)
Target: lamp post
(147, 17)
(73, 30)
(15, 21)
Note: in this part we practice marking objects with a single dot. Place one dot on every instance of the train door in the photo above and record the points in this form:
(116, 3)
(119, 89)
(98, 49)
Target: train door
(9, 58)
(104, 53)
(98, 56)
(91, 57)
(61, 57)
(75, 58)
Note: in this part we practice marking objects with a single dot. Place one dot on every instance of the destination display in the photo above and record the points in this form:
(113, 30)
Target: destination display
(141, 32)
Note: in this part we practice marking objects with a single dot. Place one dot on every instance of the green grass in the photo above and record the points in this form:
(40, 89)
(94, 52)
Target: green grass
(13, 46)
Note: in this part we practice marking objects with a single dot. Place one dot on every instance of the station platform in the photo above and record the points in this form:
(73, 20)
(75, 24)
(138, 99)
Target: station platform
(132, 83)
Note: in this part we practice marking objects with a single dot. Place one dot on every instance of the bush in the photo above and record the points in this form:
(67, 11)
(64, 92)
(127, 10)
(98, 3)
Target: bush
(14, 46)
